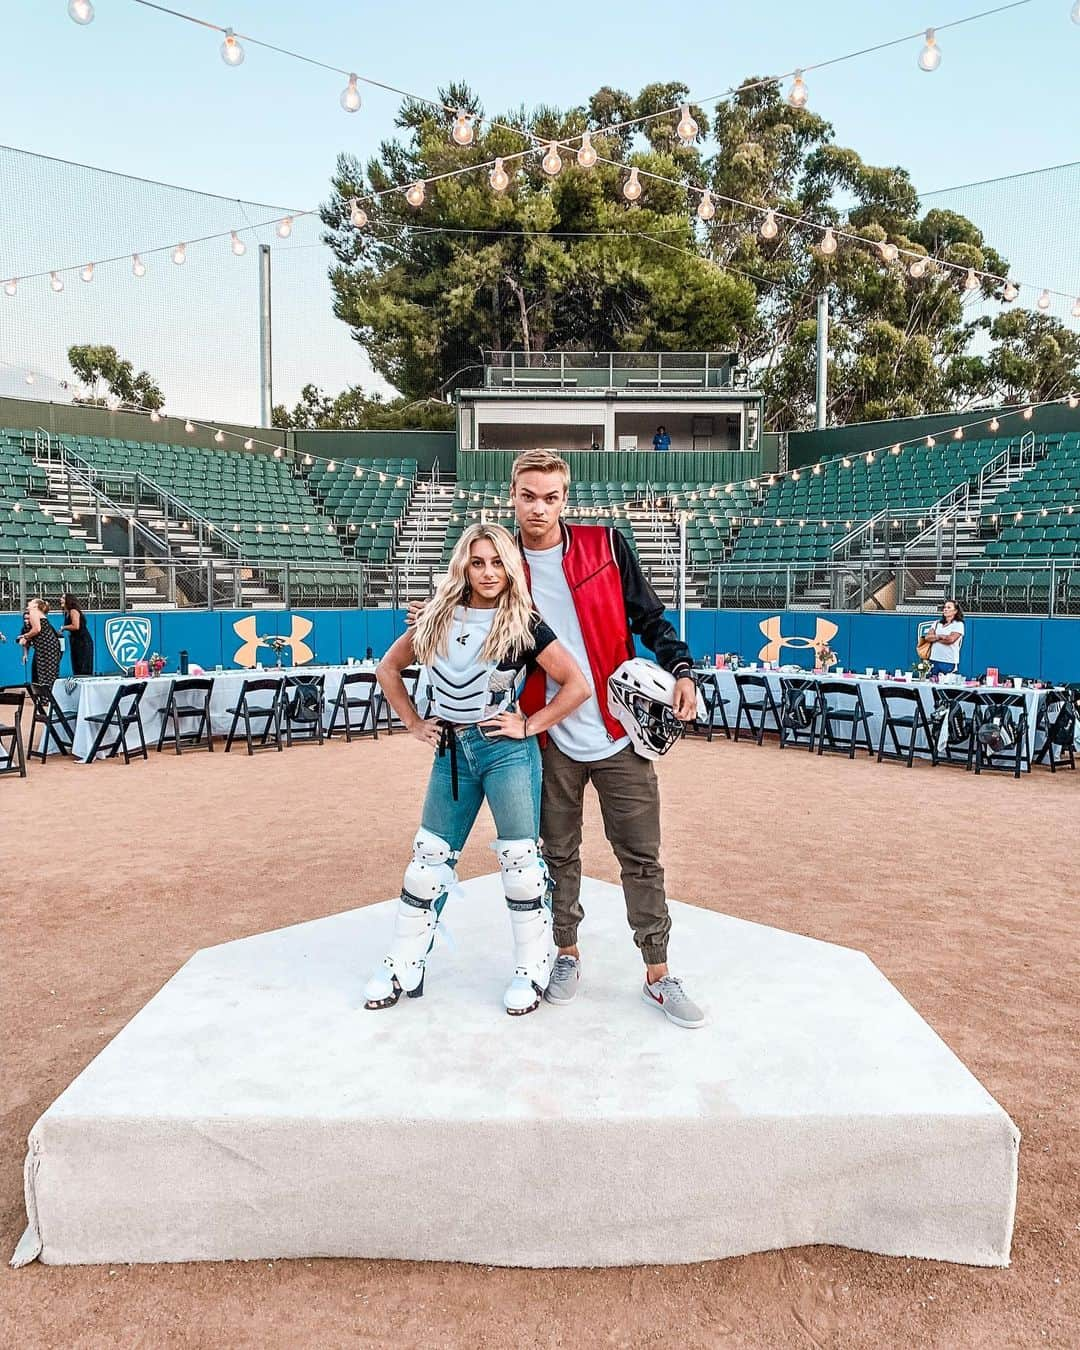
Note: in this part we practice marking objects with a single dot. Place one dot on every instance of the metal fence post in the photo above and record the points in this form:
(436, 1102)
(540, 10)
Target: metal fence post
(287, 589)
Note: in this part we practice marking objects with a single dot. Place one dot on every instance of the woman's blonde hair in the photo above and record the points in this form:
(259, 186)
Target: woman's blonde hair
(511, 629)
(43, 605)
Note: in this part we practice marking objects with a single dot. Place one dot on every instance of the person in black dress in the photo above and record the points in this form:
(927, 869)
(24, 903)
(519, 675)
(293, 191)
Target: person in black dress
(79, 639)
(44, 640)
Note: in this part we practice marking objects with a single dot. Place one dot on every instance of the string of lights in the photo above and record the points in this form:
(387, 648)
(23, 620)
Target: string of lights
(586, 155)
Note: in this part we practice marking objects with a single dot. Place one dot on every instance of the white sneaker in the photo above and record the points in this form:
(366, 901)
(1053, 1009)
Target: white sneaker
(563, 985)
(674, 1002)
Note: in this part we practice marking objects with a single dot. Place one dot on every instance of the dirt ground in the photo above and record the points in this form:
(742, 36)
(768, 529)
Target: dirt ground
(963, 890)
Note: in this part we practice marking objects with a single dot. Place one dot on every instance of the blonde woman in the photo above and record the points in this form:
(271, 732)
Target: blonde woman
(477, 640)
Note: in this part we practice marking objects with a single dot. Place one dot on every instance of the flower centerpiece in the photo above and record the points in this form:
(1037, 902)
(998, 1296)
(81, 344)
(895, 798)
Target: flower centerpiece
(732, 660)
(156, 663)
(277, 645)
(920, 670)
(824, 658)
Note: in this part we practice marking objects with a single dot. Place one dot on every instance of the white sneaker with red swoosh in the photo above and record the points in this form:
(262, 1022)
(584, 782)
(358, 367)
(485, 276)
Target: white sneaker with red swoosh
(674, 1002)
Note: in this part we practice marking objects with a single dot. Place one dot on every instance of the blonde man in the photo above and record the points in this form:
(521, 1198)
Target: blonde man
(587, 584)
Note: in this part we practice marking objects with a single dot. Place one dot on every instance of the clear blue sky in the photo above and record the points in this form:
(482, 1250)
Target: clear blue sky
(142, 93)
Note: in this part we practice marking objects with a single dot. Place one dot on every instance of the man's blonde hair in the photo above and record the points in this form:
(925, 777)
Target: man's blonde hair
(540, 461)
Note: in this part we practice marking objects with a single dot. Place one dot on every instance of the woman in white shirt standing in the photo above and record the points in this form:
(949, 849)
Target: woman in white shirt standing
(476, 641)
(947, 637)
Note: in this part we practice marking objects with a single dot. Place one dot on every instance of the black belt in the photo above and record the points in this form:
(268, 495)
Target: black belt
(448, 741)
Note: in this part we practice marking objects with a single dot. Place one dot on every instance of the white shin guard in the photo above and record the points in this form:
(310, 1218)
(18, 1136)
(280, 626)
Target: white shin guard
(525, 884)
(428, 878)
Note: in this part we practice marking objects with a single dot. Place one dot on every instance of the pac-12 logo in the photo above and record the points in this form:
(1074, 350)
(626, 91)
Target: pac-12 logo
(824, 631)
(127, 636)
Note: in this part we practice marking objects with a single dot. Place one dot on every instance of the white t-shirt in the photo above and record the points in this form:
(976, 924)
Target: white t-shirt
(948, 651)
(583, 735)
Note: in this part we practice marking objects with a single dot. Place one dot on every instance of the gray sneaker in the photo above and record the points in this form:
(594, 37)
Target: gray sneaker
(674, 1002)
(563, 985)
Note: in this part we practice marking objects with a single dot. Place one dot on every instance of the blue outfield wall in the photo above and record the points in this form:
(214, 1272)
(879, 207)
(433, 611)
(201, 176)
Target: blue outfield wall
(1047, 649)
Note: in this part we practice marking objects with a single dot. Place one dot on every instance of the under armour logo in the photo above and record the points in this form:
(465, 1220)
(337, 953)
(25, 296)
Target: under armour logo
(247, 629)
(824, 631)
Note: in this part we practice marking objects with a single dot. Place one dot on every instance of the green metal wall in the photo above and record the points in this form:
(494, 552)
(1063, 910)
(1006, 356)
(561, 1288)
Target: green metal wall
(426, 447)
(807, 447)
(642, 466)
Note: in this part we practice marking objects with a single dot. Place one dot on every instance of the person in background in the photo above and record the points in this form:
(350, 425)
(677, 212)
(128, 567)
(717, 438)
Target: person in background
(661, 441)
(41, 637)
(80, 641)
(947, 636)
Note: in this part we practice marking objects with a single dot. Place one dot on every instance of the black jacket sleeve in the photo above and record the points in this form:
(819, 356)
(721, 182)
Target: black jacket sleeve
(646, 612)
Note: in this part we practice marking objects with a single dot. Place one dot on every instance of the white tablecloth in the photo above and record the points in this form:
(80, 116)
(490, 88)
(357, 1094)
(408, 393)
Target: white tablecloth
(91, 697)
(871, 688)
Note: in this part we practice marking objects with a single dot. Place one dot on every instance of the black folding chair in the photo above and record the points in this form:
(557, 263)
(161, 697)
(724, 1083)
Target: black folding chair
(188, 698)
(840, 703)
(1057, 722)
(798, 710)
(1001, 732)
(122, 715)
(902, 709)
(713, 703)
(350, 699)
(952, 724)
(268, 715)
(763, 708)
(304, 703)
(57, 724)
(12, 749)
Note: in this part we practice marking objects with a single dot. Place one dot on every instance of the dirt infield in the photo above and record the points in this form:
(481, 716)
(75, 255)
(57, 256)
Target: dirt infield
(964, 891)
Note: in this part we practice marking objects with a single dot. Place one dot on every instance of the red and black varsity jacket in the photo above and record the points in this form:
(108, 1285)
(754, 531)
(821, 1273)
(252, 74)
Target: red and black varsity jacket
(613, 601)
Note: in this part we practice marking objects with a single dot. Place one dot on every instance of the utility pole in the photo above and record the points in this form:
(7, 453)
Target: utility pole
(822, 357)
(266, 369)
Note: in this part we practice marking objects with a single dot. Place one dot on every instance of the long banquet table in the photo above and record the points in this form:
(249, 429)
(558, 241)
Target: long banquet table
(92, 696)
(871, 686)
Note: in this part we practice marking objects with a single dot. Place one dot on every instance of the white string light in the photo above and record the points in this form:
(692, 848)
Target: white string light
(586, 155)
(1044, 300)
(231, 51)
(82, 11)
(498, 177)
(930, 56)
(687, 128)
(358, 217)
(1010, 292)
(138, 267)
(350, 96)
(415, 194)
(552, 162)
(798, 93)
(632, 187)
(828, 242)
(284, 227)
(56, 282)
(706, 210)
(238, 245)
(463, 130)
(179, 256)
(769, 227)
(11, 286)
(87, 272)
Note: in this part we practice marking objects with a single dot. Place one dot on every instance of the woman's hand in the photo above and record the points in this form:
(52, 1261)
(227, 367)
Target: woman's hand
(427, 730)
(510, 724)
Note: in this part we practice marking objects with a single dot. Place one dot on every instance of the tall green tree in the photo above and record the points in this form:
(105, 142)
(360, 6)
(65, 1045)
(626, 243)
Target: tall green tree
(1033, 357)
(103, 373)
(354, 410)
(426, 291)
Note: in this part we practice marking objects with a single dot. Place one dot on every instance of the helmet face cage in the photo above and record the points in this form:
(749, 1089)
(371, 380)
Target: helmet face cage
(660, 728)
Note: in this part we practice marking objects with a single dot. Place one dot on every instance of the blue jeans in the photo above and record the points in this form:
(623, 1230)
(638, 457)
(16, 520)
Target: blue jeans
(943, 668)
(505, 771)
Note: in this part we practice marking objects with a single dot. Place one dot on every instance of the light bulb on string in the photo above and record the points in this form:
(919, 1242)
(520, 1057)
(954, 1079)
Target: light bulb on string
(1010, 292)
(11, 286)
(189, 426)
(1074, 13)
(358, 217)
(632, 187)
(930, 56)
(798, 93)
(586, 155)
(1044, 300)
(138, 267)
(238, 245)
(971, 281)
(828, 242)
(498, 177)
(687, 128)
(415, 194)
(552, 161)
(87, 272)
(888, 250)
(1076, 302)
(29, 379)
(231, 51)
(918, 267)
(56, 282)
(706, 207)
(81, 11)
(249, 444)
(155, 416)
(994, 424)
(1074, 401)
(462, 132)
(769, 228)
(350, 96)
(958, 434)
(219, 437)
(284, 227)
(1026, 414)
(179, 256)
